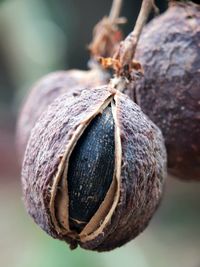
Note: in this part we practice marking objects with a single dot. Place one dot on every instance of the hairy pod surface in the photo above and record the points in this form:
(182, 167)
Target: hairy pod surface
(169, 51)
(44, 93)
(98, 149)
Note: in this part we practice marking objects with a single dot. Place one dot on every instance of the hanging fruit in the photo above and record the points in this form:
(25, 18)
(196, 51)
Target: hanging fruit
(169, 51)
(94, 167)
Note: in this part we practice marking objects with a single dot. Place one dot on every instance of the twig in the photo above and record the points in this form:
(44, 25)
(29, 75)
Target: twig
(126, 52)
(115, 9)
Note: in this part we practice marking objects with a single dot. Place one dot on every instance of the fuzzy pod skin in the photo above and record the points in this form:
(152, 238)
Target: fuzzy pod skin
(138, 177)
(169, 51)
(44, 93)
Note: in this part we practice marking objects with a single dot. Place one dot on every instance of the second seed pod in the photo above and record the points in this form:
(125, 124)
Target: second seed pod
(46, 90)
(169, 51)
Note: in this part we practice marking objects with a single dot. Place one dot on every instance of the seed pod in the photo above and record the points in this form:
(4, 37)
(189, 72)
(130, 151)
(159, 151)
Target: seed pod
(94, 169)
(44, 93)
(169, 51)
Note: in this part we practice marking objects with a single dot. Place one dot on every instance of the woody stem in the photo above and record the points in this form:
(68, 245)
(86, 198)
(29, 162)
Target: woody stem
(128, 46)
(115, 9)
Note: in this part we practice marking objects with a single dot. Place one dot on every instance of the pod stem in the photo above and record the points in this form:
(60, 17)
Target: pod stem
(115, 9)
(106, 33)
(127, 48)
(123, 60)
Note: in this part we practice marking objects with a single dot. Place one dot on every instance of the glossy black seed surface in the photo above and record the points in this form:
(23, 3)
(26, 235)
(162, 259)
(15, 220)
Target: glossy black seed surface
(91, 168)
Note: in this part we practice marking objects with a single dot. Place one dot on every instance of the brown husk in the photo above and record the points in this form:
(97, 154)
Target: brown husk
(140, 161)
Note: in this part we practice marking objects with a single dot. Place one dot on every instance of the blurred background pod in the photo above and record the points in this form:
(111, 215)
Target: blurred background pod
(169, 51)
(46, 91)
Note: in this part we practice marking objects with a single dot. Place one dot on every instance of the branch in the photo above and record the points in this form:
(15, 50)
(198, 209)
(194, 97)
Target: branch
(126, 52)
(115, 9)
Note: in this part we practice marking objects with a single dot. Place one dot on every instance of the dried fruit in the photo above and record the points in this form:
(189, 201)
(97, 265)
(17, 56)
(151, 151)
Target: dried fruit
(169, 51)
(93, 169)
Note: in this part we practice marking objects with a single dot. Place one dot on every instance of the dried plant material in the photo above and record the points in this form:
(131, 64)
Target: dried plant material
(94, 167)
(131, 180)
(107, 37)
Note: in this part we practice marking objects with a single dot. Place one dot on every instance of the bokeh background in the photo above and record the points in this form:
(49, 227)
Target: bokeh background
(39, 36)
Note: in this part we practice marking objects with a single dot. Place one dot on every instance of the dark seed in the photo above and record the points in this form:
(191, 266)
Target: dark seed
(91, 168)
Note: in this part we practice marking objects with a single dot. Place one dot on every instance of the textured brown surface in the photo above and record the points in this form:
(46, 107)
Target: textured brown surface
(44, 93)
(169, 51)
(142, 167)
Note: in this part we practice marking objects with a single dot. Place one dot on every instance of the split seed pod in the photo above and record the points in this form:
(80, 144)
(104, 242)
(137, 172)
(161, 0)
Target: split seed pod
(94, 169)
(46, 91)
(169, 51)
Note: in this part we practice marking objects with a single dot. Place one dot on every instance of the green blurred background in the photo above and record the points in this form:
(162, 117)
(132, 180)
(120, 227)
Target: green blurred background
(39, 36)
